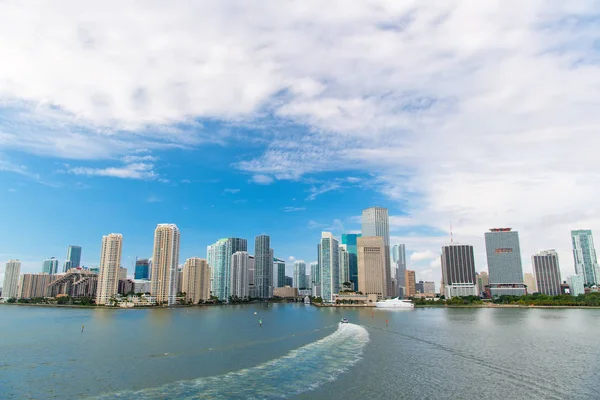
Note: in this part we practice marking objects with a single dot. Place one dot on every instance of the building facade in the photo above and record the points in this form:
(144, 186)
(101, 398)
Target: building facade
(240, 261)
(504, 262)
(74, 256)
(263, 268)
(375, 222)
(344, 265)
(483, 280)
(372, 277)
(329, 264)
(142, 269)
(529, 281)
(50, 266)
(300, 274)
(349, 240)
(196, 280)
(286, 292)
(278, 273)
(110, 261)
(576, 285)
(584, 255)
(410, 279)
(219, 259)
(547, 272)
(315, 274)
(78, 283)
(165, 263)
(10, 287)
(399, 264)
(34, 285)
(458, 271)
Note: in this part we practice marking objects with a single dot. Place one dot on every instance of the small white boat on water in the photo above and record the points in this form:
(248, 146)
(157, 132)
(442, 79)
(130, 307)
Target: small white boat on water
(344, 321)
(395, 303)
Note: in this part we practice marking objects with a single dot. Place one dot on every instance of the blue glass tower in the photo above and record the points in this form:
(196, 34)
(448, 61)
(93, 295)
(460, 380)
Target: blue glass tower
(349, 239)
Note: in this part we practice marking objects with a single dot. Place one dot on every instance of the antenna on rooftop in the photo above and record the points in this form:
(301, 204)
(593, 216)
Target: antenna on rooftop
(451, 238)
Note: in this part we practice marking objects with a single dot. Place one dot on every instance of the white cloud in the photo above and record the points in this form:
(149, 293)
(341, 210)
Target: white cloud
(293, 209)
(317, 191)
(153, 199)
(423, 255)
(131, 171)
(232, 191)
(262, 179)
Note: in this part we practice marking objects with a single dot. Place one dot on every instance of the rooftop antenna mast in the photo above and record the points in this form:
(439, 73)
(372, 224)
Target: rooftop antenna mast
(451, 238)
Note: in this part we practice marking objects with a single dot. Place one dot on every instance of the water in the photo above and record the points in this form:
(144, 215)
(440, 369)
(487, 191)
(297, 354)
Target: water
(299, 352)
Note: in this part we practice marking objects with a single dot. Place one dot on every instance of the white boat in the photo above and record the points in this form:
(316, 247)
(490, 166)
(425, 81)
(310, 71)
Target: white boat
(344, 321)
(395, 303)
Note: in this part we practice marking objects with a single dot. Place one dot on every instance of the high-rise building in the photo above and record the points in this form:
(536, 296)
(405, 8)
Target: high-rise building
(142, 269)
(576, 285)
(289, 281)
(349, 240)
(263, 268)
(504, 262)
(547, 272)
(67, 265)
(278, 273)
(34, 285)
(11, 279)
(329, 264)
(375, 222)
(300, 274)
(315, 274)
(50, 266)
(409, 277)
(458, 271)
(239, 274)
(529, 281)
(165, 263)
(219, 258)
(399, 260)
(196, 280)
(372, 277)
(122, 273)
(74, 256)
(251, 269)
(308, 283)
(179, 280)
(584, 255)
(344, 265)
(110, 261)
(483, 280)
(419, 287)
(429, 287)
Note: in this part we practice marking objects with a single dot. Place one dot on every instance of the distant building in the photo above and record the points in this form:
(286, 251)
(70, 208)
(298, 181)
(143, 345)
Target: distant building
(142, 269)
(409, 277)
(74, 256)
(375, 222)
(547, 272)
(179, 280)
(349, 240)
(344, 265)
(126, 286)
(34, 285)
(399, 263)
(122, 273)
(483, 280)
(251, 264)
(278, 273)
(11, 279)
(529, 281)
(372, 276)
(576, 285)
(196, 280)
(329, 263)
(263, 273)
(110, 261)
(419, 287)
(285, 292)
(239, 274)
(425, 288)
(504, 262)
(165, 263)
(82, 283)
(584, 255)
(316, 290)
(300, 274)
(50, 266)
(141, 286)
(458, 271)
(289, 281)
(315, 274)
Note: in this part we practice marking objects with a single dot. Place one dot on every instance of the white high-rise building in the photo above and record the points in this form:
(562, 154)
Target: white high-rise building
(219, 259)
(584, 255)
(547, 272)
(375, 222)
(195, 282)
(165, 261)
(50, 266)
(10, 287)
(344, 265)
(240, 263)
(329, 265)
(300, 275)
(110, 261)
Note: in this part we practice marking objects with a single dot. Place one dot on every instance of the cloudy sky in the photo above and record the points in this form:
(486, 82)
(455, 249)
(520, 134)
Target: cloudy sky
(235, 118)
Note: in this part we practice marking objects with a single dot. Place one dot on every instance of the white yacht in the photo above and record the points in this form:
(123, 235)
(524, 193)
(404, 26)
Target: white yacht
(395, 303)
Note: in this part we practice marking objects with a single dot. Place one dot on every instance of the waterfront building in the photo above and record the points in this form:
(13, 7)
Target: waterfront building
(34, 285)
(372, 277)
(196, 280)
(110, 261)
(504, 262)
(278, 273)
(263, 272)
(67, 265)
(285, 292)
(11, 279)
(584, 255)
(458, 271)
(251, 268)
(429, 288)
(409, 277)
(299, 274)
(122, 273)
(165, 263)
(50, 266)
(483, 280)
(349, 240)
(83, 283)
(375, 222)
(142, 286)
(289, 281)
(220, 255)
(126, 287)
(239, 274)
(179, 280)
(308, 283)
(142, 269)
(419, 287)
(315, 274)
(529, 281)
(329, 264)
(576, 285)
(399, 261)
(344, 265)
(547, 272)
(73, 256)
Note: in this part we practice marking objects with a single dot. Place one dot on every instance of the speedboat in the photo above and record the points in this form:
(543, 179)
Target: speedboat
(395, 303)
(344, 321)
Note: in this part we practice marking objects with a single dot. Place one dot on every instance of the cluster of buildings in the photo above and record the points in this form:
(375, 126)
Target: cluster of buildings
(362, 263)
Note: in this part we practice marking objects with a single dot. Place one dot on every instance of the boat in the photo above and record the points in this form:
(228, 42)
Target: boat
(344, 321)
(395, 303)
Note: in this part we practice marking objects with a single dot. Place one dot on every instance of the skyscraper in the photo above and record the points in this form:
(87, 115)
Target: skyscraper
(411, 287)
(219, 258)
(74, 256)
(315, 274)
(34, 285)
(344, 265)
(584, 254)
(349, 240)
(458, 271)
(165, 263)
(300, 274)
(278, 272)
(547, 272)
(529, 281)
(11, 279)
(50, 266)
(504, 262)
(375, 222)
(142, 269)
(263, 267)
(110, 261)
(483, 280)
(122, 273)
(329, 264)
(196, 280)
(399, 259)
(372, 277)
(240, 261)
(576, 285)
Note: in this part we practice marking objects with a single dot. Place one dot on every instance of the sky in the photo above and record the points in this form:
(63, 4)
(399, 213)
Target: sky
(234, 119)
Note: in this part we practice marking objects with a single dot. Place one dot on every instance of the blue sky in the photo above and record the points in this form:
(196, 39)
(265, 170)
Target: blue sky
(233, 119)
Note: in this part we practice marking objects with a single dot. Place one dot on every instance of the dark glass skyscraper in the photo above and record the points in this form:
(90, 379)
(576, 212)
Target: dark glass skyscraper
(263, 267)
(349, 239)
(142, 269)
(74, 255)
(458, 271)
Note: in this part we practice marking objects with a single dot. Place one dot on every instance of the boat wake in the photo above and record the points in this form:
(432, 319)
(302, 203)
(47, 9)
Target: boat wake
(301, 370)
